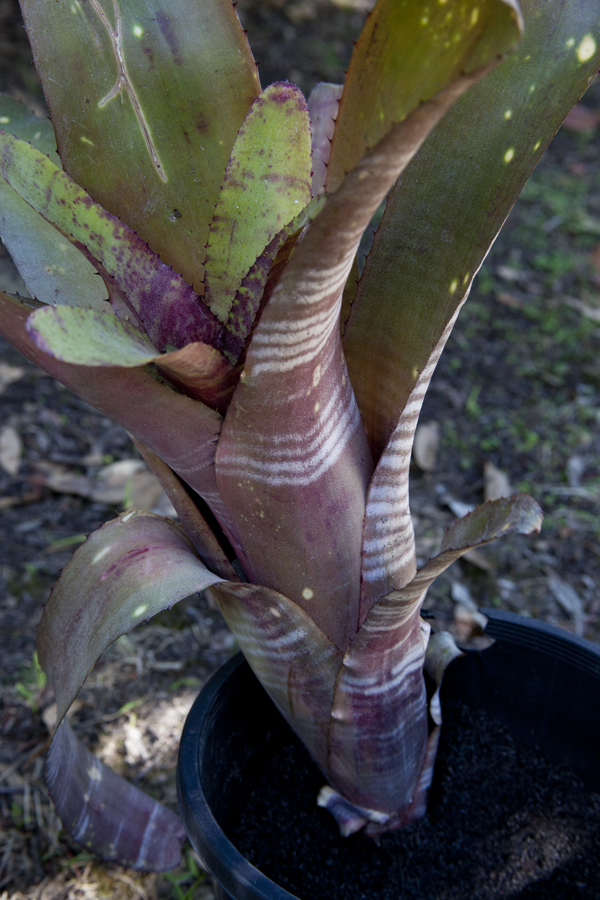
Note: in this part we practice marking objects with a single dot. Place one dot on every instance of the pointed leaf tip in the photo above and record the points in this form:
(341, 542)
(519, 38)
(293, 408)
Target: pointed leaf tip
(518, 514)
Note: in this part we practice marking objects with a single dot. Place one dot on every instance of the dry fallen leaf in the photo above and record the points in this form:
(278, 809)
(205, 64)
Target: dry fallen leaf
(9, 374)
(495, 483)
(127, 482)
(425, 447)
(11, 450)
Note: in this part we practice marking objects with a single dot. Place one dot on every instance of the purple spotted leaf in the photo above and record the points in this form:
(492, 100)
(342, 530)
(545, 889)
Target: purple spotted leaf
(266, 186)
(168, 309)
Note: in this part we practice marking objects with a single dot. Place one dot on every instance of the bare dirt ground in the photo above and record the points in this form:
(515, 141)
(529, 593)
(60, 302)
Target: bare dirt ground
(516, 397)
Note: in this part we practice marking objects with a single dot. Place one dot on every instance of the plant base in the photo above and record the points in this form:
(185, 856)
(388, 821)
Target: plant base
(492, 829)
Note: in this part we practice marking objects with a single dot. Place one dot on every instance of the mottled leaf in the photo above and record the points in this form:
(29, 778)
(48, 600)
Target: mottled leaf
(266, 185)
(294, 661)
(167, 307)
(146, 98)
(54, 271)
(107, 814)
(258, 285)
(406, 54)
(450, 203)
(323, 105)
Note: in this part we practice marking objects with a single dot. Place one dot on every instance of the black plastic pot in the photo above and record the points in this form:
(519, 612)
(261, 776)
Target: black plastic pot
(542, 683)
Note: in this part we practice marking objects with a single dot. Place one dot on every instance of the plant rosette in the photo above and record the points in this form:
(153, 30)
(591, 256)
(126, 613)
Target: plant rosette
(190, 244)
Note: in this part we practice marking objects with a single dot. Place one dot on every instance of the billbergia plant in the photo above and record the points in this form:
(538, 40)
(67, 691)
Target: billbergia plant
(192, 252)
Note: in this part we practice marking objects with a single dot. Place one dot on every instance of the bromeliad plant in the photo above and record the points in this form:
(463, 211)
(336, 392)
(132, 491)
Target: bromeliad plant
(192, 251)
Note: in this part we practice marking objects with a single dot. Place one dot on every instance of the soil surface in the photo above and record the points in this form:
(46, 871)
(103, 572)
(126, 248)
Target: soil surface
(515, 395)
(502, 824)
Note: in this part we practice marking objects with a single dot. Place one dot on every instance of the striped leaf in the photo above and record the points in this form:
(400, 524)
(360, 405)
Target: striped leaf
(388, 548)
(168, 309)
(146, 98)
(323, 104)
(294, 661)
(449, 205)
(379, 732)
(107, 814)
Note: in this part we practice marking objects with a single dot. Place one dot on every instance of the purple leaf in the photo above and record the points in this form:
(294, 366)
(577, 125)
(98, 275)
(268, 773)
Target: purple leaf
(182, 431)
(379, 734)
(194, 524)
(105, 813)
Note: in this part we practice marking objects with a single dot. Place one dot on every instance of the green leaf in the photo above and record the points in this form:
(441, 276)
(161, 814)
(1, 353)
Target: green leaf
(126, 572)
(406, 54)
(52, 269)
(86, 337)
(170, 312)
(450, 203)
(16, 119)
(146, 100)
(266, 185)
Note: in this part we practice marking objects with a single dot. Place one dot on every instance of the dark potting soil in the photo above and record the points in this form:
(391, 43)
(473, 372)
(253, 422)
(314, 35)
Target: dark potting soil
(502, 823)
